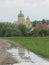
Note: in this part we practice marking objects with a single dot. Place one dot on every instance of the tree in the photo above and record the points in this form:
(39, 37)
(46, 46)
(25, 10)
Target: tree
(12, 30)
(23, 29)
(47, 22)
(43, 21)
(34, 23)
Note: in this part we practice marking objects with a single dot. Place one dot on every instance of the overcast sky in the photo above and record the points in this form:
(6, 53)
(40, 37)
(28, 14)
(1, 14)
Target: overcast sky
(35, 9)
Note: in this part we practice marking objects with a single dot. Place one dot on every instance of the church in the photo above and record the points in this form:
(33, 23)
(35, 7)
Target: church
(22, 20)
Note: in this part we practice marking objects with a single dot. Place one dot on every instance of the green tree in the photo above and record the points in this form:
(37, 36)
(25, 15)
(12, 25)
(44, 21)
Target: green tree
(23, 29)
(43, 21)
(12, 30)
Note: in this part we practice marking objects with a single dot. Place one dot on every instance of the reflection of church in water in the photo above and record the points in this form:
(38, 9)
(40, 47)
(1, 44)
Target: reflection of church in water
(24, 54)
(22, 20)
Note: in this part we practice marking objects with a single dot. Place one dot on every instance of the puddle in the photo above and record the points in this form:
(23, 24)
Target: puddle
(26, 57)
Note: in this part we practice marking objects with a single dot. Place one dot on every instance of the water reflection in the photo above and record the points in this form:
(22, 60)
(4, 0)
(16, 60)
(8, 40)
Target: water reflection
(23, 55)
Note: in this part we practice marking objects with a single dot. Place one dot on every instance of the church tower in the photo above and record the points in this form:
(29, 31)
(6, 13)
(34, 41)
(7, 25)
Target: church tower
(20, 18)
(27, 22)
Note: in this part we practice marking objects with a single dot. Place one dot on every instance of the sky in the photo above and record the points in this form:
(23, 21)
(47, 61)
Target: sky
(35, 9)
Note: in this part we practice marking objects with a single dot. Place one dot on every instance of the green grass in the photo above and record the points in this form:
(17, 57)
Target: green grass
(39, 45)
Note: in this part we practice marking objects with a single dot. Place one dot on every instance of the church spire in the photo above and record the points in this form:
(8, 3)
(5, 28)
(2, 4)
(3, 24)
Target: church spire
(20, 14)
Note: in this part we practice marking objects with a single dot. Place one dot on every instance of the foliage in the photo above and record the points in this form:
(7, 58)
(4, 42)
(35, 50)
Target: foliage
(23, 29)
(43, 21)
(40, 32)
(8, 29)
(34, 23)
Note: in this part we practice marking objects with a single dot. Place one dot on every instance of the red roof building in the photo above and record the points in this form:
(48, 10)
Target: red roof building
(41, 25)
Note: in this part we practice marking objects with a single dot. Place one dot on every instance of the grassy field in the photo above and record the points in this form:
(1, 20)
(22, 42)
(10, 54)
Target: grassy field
(39, 45)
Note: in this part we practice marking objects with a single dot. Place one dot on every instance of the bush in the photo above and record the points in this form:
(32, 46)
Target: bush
(40, 32)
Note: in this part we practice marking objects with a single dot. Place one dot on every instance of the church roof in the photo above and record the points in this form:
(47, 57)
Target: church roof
(41, 25)
(27, 18)
(20, 14)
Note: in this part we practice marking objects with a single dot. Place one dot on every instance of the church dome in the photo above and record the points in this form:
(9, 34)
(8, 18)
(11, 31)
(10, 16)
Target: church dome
(20, 14)
(27, 18)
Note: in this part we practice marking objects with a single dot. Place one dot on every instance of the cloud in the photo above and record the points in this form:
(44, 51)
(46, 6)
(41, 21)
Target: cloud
(16, 3)
(45, 3)
(35, 4)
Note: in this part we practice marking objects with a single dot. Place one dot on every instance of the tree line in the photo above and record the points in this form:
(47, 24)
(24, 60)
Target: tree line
(11, 29)
(43, 21)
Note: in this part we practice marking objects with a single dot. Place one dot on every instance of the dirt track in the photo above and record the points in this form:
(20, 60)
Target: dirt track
(4, 45)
